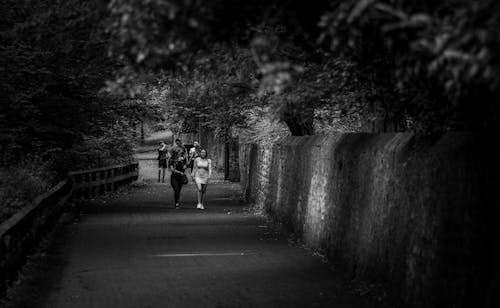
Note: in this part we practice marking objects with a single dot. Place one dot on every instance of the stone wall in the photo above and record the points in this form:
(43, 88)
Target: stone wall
(255, 170)
(415, 214)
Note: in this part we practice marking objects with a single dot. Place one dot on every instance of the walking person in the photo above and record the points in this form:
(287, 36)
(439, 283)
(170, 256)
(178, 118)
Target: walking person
(178, 159)
(178, 150)
(194, 152)
(162, 161)
(202, 171)
(177, 177)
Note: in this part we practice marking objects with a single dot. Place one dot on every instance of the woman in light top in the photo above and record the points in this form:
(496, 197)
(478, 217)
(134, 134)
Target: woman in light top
(202, 170)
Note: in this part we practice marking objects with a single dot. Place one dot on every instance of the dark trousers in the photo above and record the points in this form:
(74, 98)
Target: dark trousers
(176, 182)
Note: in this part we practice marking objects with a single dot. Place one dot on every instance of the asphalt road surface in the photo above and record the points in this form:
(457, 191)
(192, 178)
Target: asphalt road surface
(138, 251)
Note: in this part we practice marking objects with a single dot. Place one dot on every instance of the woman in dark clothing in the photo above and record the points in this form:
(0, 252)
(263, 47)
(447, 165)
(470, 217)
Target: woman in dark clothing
(162, 161)
(177, 166)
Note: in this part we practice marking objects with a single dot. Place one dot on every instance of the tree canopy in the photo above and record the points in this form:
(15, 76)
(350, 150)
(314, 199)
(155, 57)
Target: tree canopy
(54, 62)
(424, 65)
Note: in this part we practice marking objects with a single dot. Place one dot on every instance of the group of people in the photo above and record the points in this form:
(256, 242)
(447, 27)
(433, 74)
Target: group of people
(177, 159)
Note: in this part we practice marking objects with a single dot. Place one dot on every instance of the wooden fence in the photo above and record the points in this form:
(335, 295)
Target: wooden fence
(22, 232)
(90, 183)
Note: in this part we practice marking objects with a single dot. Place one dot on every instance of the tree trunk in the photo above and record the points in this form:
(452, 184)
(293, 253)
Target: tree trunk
(226, 161)
(134, 130)
(142, 132)
(226, 153)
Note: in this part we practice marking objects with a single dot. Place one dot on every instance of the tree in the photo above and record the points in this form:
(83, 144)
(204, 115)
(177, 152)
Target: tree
(53, 116)
(54, 62)
(215, 92)
(440, 57)
(170, 35)
(420, 64)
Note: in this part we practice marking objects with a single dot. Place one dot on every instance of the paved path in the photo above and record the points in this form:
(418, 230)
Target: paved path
(136, 251)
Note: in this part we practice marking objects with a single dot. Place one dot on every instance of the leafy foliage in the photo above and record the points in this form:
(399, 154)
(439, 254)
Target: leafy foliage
(216, 93)
(53, 118)
(440, 56)
(215, 76)
(166, 33)
(420, 64)
(53, 62)
(21, 183)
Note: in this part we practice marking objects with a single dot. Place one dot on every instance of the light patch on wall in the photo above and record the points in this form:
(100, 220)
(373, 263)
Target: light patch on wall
(318, 191)
(263, 180)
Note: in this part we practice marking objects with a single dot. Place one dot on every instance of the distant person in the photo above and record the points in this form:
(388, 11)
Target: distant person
(162, 161)
(177, 164)
(178, 150)
(194, 152)
(202, 171)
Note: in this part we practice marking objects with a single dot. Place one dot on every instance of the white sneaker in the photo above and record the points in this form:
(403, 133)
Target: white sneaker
(199, 206)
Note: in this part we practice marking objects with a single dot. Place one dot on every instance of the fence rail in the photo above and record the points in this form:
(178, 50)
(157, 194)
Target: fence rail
(90, 183)
(21, 233)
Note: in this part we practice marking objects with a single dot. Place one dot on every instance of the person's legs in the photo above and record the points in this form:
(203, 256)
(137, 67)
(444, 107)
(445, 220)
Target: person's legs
(176, 187)
(160, 166)
(199, 192)
(191, 165)
(163, 176)
(179, 180)
(203, 191)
